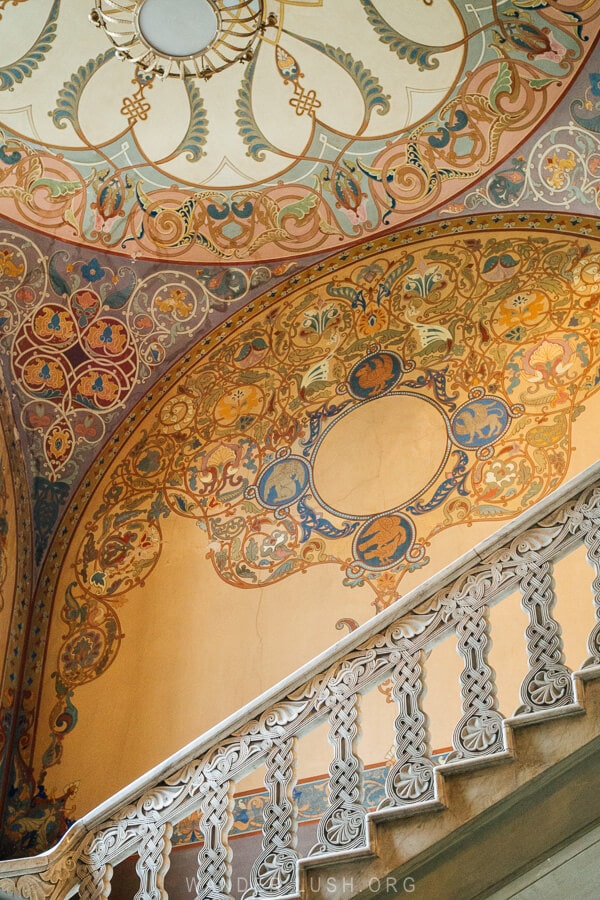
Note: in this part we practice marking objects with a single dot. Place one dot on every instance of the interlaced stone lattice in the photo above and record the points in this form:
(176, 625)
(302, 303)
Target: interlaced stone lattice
(480, 727)
(214, 858)
(592, 542)
(410, 779)
(274, 872)
(398, 649)
(94, 881)
(548, 683)
(343, 824)
(153, 861)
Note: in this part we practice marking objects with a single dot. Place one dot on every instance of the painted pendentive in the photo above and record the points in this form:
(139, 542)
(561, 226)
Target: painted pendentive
(82, 334)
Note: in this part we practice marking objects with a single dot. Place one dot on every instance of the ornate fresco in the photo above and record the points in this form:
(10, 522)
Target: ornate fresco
(83, 333)
(483, 345)
(263, 161)
(225, 325)
(559, 167)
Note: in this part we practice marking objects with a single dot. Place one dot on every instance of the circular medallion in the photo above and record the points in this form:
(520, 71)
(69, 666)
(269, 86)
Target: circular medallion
(183, 39)
(380, 454)
(375, 375)
(383, 541)
(283, 482)
(480, 422)
(178, 29)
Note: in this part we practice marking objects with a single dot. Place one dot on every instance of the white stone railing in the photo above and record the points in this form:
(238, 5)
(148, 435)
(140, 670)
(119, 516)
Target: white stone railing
(393, 645)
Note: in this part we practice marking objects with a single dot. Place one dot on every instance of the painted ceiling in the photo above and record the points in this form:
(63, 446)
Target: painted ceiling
(340, 126)
(380, 226)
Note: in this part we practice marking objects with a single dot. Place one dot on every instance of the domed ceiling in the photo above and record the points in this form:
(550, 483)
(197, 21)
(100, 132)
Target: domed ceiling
(244, 248)
(336, 127)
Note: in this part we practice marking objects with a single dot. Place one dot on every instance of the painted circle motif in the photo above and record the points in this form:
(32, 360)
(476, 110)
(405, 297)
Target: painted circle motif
(480, 422)
(177, 414)
(374, 375)
(81, 654)
(380, 454)
(383, 541)
(181, 29)
(283, 482)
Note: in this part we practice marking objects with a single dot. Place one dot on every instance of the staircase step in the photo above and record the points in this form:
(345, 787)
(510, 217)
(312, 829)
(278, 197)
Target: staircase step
(492, 818)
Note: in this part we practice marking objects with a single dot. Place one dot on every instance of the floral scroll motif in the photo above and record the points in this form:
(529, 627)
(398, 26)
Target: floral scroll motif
(232, 446)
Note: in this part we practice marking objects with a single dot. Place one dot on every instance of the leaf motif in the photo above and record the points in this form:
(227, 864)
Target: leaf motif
(396, 273)
(59, 285)
(248, 128)
(539, 83)
(326, 228)
(197, 132)
(502, 85)
(368, 85)
(299, 209)
(67, 103)
(117, 299)
(402, 46)
(24, 67)
(16, 193)
(57, 188)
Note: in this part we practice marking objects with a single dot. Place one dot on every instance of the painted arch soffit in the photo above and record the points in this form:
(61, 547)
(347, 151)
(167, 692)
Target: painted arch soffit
(337, 128)
(488, 341)
(84, 333)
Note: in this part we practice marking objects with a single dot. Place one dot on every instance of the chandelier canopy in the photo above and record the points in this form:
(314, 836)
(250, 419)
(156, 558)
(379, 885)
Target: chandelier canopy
(187, 39)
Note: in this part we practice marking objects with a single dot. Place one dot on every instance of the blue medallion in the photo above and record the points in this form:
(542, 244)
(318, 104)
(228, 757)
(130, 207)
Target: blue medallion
(383, 541)
(374, 375)
(283, 482)
(480, 422)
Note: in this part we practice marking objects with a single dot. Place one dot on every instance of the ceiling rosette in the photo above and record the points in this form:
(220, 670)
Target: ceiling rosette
(326, 129)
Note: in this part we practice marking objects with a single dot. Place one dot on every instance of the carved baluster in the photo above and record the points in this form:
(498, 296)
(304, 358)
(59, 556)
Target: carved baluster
(410, 780)
(274, 872)
(592, 542)
(93, 873)
(214, 858)
(94, 881)
(153, 861)
(548, 683)
(342, 826)
(479, 730)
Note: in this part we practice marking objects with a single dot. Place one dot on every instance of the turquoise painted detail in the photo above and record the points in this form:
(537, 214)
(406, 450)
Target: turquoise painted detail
(367, 83)
(248, 128)
(403, 47)
(197, 132)
(24, 67)
(67, 103)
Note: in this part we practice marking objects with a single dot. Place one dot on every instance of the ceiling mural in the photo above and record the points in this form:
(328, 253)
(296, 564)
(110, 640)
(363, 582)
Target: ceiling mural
(263, 160)
(15, 587)
(558, 168)
(460, 365)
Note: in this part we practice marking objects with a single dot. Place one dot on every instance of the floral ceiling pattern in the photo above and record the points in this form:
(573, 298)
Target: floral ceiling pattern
(489, 341)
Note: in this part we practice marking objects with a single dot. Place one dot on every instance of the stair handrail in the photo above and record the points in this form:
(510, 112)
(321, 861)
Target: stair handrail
(140, 818)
